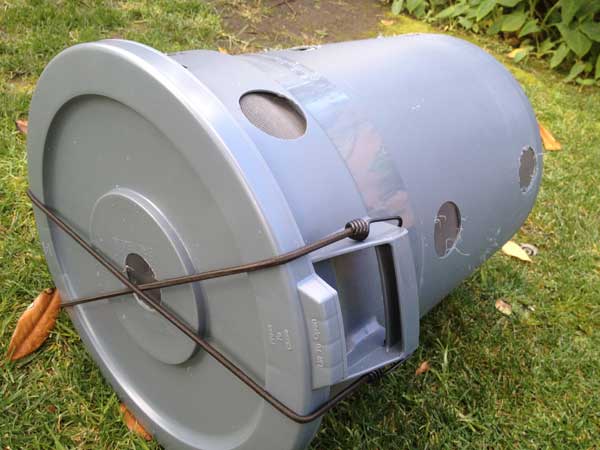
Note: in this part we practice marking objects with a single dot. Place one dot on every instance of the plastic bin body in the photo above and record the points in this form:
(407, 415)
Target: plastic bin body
(181, 163)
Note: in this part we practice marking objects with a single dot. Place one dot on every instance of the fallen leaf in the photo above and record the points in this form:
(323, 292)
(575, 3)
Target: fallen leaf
(549, 141)
(518, 54)
(133, 424)
(387, 23)
(223, 50)
(34, 325)
(513, 52)
(513, 249)
(503, 307)
(424, 367)
(22, 125)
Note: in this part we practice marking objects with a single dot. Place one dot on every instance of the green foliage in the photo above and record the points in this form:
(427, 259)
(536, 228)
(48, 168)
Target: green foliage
(565, 32)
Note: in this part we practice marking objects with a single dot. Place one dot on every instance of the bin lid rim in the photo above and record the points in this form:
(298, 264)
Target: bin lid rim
(264, 208)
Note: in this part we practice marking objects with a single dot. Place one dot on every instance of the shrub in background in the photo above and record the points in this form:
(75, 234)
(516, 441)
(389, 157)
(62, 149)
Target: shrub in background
(565, 32)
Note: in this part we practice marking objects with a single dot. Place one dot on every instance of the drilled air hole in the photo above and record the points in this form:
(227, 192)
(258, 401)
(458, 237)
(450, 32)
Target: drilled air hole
(273, 114)
(139, 272)
(447, 227)
(527, 168)
(304, 48)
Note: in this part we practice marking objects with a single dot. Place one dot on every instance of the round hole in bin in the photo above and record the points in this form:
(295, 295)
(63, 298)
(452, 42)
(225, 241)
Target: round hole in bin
(446, 229)
(139, 272)
(274, 114)
(527, 168)
(304, 48)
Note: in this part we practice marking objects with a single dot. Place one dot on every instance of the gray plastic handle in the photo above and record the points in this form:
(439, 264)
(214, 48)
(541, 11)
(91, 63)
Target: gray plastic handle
(323, 312)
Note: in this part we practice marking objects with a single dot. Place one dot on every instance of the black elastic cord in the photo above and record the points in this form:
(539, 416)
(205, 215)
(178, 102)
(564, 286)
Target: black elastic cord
(354, 229)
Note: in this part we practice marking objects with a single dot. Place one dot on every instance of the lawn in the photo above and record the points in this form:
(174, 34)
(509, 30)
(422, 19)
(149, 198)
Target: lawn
(528, 380)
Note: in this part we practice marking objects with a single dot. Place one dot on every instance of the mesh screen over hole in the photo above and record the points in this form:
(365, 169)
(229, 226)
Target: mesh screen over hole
(447, 227)
(273, 114)
(527, 168)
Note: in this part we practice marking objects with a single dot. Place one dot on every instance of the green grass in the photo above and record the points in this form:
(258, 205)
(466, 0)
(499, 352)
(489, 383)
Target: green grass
(530, 380)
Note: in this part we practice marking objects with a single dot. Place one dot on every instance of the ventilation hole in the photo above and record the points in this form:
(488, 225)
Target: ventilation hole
(447, 227)
(527, 168)
(304, 48)
(273, 114)
(139, 272)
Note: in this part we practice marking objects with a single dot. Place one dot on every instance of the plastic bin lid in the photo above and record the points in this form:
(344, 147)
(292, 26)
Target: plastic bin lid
(144, 160)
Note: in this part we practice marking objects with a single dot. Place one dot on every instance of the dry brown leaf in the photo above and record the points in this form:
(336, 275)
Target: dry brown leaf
(22, 125)
(549, 141)
(513, 249)
(133, 424)
(513, 54)
(503, 307)
(424, 367)
(35, 324)
(223, 50)
(387, 23)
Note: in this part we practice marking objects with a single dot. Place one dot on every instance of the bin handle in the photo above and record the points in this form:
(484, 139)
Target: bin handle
(357, 229)
(398, 282)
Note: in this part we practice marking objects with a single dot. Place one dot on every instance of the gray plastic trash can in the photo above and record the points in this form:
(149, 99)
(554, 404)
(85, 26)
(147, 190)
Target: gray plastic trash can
(175, 164)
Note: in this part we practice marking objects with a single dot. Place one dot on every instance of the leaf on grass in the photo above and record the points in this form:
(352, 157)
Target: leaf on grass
(513, 52)
(549, 141)
(387, 23)
(34, 325)
(518, 54)
(513, 249)
(424, 367)
(22, 125)
(132, 423)
(503, 307)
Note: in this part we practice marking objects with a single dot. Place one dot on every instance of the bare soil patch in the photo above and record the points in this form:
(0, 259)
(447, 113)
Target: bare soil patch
(259, 24)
